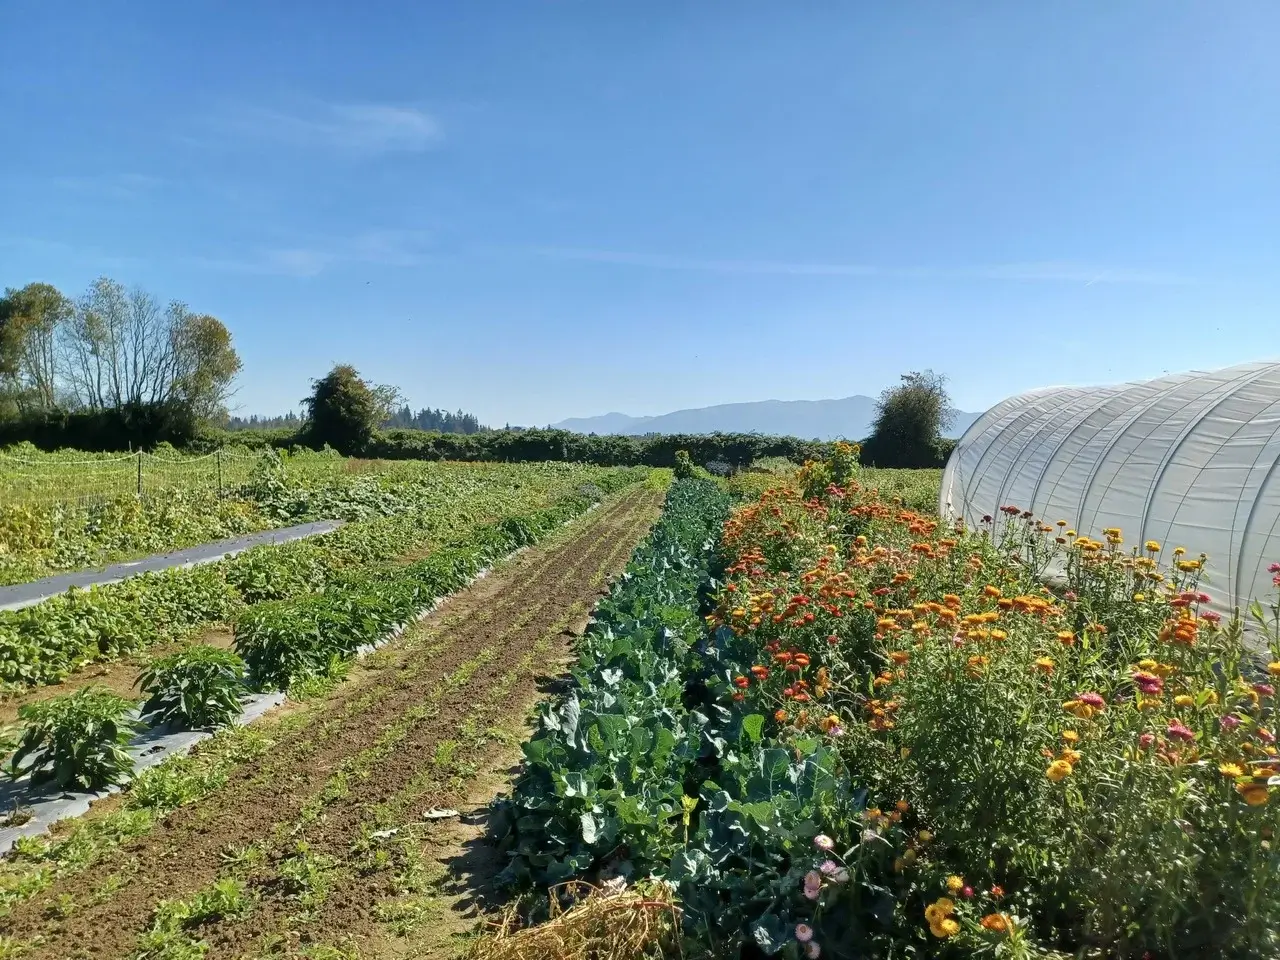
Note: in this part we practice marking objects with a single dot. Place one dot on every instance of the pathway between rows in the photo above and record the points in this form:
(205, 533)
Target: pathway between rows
(21, 595)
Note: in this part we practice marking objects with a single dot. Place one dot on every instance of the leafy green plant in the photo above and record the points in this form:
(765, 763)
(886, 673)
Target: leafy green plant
(200, 686)
(75, 739)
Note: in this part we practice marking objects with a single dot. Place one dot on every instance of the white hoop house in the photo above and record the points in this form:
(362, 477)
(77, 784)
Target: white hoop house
(1188, 460)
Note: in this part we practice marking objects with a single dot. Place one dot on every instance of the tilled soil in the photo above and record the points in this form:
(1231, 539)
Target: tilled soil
(358, 760)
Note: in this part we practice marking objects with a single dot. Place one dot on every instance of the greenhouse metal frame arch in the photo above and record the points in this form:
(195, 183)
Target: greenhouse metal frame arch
(1188, 460)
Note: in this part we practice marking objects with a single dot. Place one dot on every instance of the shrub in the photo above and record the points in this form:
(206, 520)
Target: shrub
(75, 739)
(200, 686)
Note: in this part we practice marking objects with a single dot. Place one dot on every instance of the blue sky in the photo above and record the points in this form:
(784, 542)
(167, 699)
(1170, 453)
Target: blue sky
(540, 210)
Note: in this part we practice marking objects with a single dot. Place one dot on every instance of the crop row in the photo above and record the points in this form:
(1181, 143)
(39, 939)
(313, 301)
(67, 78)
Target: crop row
(44, 643)
(639, 772)
(80, 738)
(888, 738)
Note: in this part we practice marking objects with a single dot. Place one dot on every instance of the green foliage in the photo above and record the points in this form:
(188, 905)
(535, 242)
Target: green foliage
(393, 514)
(739, 450)
(200, 686)
(909, 422)
(344, 410)
(287, 643)
(75, 739)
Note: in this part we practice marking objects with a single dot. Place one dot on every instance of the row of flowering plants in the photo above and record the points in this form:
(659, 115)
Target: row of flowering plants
(1087, 770)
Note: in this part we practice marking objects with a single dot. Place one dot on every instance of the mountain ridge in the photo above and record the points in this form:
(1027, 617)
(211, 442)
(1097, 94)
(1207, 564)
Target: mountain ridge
(849, 418)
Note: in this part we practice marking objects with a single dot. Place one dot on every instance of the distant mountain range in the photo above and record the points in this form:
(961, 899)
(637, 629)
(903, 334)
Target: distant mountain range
(849, 418)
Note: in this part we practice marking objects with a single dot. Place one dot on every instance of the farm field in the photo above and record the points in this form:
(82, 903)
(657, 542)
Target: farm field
(389, 523)
(315, 841)
(809, 721)
(72, 510)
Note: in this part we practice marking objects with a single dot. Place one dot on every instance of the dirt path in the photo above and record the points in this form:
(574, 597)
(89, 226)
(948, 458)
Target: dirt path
(301, 830)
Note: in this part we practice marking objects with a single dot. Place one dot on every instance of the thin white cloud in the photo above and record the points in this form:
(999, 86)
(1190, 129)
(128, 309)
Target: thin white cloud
(389, 248)
(115, 186)
(1048, 271)
(357, 128)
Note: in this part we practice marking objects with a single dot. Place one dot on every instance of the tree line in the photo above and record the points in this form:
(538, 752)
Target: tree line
(116, 367)
(113, 362)
(347, 413)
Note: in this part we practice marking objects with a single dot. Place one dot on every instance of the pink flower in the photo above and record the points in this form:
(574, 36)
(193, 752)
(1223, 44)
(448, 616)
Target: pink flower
(1274, 568)
(835, 731)
(1176, 731)
(828, 867)
(1264, 689)
(823, 842)
(1266, 736)
(1148, 683)
(967, 892)
(1229, 722)
(812, 950)
(1146, 740)
(1203, 598)
(1211, 617)
(1070, 595)
(1092, 699)
(804, 932)
(812, 884)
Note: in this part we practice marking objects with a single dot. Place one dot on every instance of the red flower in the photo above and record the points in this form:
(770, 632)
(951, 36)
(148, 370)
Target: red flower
(1176, 731)
(741, 682)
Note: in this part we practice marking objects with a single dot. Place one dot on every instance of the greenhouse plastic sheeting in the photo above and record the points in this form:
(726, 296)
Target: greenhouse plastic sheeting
(1187, 460)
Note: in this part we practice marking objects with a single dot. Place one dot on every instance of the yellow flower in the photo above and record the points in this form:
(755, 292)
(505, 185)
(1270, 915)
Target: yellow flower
(1254, 794)
(1179, 551)
(955, 884)
(1066, 637)
(1273, 668)
(925, 836)
(947, 928)
(1139, 597)
(1070, 736)
(1153, 546)
(1058, 770)
(1071, 756)
(1044, 664)
(1183, 700)
(1232, 770)
(1111, 532)
(1147, 664)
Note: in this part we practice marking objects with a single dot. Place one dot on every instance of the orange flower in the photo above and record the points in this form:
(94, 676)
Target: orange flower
(995, 922)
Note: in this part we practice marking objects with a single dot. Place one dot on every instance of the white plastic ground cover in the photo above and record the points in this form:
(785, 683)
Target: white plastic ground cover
(1188, 460)
(20, 595)
(43, 806)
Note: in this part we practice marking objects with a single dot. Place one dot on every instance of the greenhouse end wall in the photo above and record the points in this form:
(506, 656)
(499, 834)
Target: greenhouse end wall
(1187, 460)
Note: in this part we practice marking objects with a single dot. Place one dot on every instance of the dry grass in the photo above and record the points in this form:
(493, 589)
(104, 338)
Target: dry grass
(601, 923)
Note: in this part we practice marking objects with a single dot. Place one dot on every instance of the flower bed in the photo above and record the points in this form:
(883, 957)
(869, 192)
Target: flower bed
(1088, 770)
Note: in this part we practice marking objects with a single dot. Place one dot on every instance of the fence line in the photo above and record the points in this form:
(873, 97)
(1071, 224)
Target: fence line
(30, 482)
